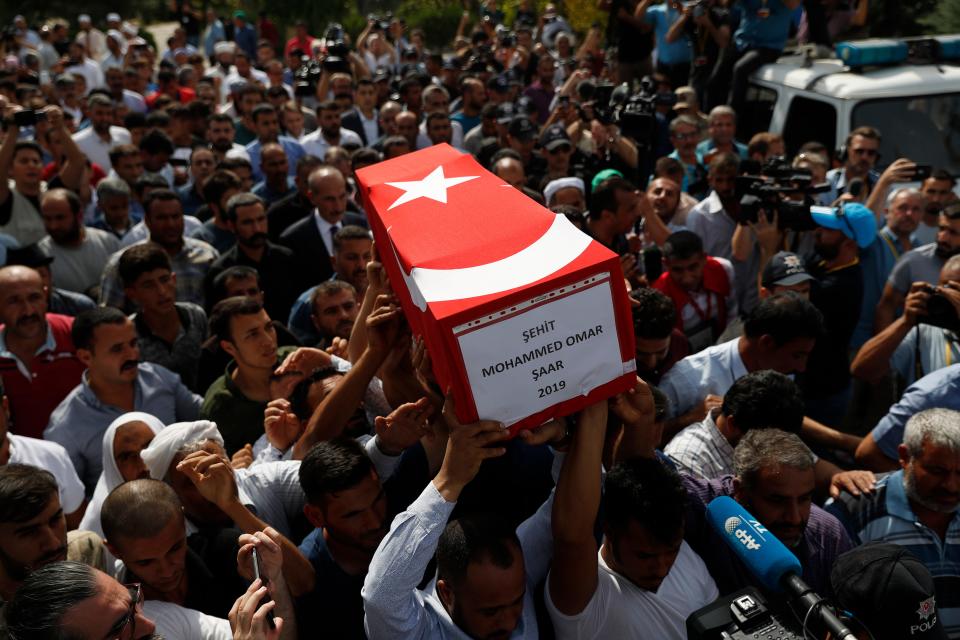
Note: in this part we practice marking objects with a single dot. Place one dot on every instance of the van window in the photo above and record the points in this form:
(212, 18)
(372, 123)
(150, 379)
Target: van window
(808, 120)
(759, 111)
(925, 129)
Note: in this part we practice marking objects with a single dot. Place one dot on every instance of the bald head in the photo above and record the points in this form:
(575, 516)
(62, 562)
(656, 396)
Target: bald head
(328, 193)
(510, 170)
(17, 274)
(23, 303)
(406, 123)
(950, 271)
(138, 509)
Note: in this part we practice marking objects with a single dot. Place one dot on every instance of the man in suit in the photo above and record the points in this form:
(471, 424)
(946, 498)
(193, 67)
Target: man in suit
(363, 119)
(311, 239)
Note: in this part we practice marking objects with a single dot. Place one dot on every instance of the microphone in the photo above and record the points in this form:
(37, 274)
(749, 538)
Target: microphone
(855, 186)
(769, 560)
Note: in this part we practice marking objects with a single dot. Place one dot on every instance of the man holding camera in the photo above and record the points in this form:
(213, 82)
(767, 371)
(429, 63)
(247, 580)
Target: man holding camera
(707, 26)
(922, 340)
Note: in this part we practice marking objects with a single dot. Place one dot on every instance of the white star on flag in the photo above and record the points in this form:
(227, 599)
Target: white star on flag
(434, 186)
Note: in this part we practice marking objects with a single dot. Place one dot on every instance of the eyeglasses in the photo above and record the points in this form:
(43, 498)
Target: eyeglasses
(684, 136)
(136, 600)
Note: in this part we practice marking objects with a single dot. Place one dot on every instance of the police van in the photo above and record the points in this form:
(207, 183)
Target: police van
(909, 89)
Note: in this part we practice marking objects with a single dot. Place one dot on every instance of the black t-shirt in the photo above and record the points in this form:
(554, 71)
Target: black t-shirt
(705, 49)
(837, 293)
(633, 45)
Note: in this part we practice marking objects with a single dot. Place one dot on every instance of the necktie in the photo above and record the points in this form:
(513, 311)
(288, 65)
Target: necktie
(333, 232)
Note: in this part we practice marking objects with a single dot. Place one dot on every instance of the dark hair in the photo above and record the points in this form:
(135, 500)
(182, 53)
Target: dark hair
(237, 201)
(149, 180)
(37, 608)
(308, 160)
(682, 245)
(647, 492)
(29, 145)
(474, 538)
(226, 310)
(437, 115)
(156, 142)
(328, 288)
(333, 466)
(327, 105)
(134, 120)
(655, 316)
(122, 151)
(158, 195)
(394, 141)
(138, 509)
(364, 156)
(763, 399)
(604, 197)
(236, 162)
(219, 117)
(941, 175)
(350, 232)
(263, 107)
(364, 82)
(666, 166)
(724, 162)
(219, 182)
(299, 397)
(87, 322)
(784, 317)
(25, 491)
(233, 273)
(159, 119)
(870, 133)
(139, 259)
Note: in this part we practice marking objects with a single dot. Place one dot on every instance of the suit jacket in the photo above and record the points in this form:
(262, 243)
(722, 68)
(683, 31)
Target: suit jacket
(285, 212)
(351, 120)
(309, 249)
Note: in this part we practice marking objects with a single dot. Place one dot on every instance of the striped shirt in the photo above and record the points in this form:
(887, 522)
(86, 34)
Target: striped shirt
(886, 516)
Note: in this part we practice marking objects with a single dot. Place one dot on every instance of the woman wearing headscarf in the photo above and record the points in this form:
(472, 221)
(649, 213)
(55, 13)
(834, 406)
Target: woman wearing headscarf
(123, 441)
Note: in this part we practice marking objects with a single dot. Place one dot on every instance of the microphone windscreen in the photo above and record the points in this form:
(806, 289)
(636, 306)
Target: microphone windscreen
(766, 557)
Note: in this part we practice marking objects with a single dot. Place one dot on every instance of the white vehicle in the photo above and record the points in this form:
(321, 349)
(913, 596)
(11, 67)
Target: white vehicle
(908, 89)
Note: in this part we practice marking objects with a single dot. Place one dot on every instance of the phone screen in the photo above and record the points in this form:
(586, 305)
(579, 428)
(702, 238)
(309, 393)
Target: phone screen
(258, 574)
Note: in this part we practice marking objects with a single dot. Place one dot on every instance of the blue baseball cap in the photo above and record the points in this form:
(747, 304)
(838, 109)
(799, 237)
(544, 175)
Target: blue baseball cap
(853, 219)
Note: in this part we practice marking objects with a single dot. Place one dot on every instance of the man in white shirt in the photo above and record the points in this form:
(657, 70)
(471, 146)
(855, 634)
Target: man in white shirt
(96, 140)
(645, 580)
(81, 65)
(91, 37)
(79, 253)
(329, 133)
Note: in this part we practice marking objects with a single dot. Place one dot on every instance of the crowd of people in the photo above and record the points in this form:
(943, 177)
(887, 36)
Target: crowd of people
(217, 422)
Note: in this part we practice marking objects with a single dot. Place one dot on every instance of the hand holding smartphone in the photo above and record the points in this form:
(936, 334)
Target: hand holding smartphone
(258, 574)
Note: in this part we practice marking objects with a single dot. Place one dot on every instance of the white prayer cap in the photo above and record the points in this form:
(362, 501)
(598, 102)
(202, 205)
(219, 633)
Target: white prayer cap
(83, 17)
(224, 47)
(164, 447)
(562, 183)
(113, 17)
(129, 29)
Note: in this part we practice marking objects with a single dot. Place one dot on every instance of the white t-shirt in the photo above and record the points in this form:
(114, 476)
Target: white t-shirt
(98, 150)
(620, 609)
(179, 623)
(51, 457)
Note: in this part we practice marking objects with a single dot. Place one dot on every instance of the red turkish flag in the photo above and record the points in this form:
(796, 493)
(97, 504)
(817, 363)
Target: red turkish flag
(460, 244)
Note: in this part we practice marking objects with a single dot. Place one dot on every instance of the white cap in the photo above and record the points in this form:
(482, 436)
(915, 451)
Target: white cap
(83, 17)
(129, 29)
(223, 47)
(113, 17)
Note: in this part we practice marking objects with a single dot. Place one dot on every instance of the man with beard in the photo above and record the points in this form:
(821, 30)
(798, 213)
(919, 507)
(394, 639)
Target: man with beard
(922, 264)
(716, 221)
(38, 361)
(917, 506)
(190, 258)
(33, 531)
(276, 183)
(101, 136)
(774, 480)
(938, 192)
(438, 128)
(352, 251)
(859, 154)
(220, 134)
(663, 194)
(329, 133)
(904, 209)
(78, 252)
(335, 309)
(169, 333)
(836, 291)
(267, 127)
(246, 216)
(115, 382)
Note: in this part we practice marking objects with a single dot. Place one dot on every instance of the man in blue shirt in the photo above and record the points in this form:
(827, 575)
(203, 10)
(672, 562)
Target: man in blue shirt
(244, 34)
(764, 26)
(266, 125)
(673, 57)
(115, 383)
(917, 507)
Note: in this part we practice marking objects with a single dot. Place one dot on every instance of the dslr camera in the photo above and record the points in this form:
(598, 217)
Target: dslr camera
(940, 311)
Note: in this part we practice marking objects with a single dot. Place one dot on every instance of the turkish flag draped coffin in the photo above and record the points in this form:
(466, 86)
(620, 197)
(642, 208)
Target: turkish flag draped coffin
(525, 317)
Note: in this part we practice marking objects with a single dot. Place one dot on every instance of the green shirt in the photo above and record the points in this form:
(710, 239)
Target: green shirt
(239, 419)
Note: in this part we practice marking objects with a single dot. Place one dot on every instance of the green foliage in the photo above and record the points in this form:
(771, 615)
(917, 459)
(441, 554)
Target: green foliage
(437, 18)
(944, 18)
(899, 18)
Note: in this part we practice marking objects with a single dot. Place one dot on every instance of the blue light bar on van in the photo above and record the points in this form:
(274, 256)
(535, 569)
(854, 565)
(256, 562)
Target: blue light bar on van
(948, 47)
(876, 51)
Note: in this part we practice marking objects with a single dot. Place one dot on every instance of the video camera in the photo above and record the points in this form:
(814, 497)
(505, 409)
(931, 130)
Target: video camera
(777, 187)
(940, 311)
(634, 114)
(336, 59)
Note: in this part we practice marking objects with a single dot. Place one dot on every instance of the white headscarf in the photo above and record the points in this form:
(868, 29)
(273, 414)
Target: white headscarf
(562, 183)
(164, 447)
(110, 478)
